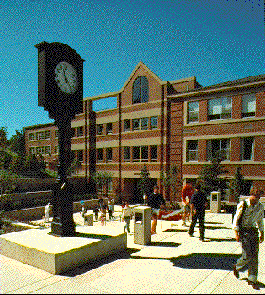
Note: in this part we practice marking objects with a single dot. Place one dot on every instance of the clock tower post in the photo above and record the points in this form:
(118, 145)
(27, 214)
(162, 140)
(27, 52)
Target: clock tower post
(60, 92)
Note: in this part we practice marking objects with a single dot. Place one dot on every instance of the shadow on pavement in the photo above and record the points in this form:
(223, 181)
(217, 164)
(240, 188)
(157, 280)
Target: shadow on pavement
(260, 284)
(212, 222)
(206, 261)
(126, 254)
(216, 227)
(176, 230)
(222, 240)
(164, 244)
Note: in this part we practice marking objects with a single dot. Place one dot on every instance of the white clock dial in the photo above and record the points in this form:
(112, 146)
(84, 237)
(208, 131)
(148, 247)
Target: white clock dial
(66, 77)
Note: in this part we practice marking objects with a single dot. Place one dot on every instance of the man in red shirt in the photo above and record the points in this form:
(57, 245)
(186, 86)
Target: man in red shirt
(187, 192)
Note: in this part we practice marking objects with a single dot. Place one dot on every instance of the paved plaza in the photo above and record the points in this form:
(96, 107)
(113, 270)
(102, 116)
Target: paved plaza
(172, 263)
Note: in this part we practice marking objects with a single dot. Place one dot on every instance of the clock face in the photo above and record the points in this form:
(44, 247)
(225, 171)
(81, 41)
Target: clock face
(66, 77)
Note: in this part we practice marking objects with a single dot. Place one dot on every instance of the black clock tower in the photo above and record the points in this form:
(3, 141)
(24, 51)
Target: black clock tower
(60, 92)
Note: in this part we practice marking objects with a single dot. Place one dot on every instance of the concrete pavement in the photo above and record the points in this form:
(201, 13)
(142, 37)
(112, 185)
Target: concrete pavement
(172, 263)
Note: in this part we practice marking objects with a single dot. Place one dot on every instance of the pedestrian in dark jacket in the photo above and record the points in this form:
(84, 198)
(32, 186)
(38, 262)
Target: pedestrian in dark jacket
(198, 203)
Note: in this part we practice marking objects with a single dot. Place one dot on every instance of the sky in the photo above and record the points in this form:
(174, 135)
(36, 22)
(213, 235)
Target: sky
(214, 40)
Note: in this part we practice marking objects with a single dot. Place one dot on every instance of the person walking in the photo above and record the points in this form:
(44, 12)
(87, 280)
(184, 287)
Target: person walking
(126, 216)
(111, 208)
(247, 221)
(186, 193)
(198, 203)
(156, 202)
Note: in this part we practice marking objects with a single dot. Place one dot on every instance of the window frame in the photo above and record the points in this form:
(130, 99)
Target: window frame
(124, 153)
(242, 147)
(109, 151)
(79, 131)
(109, 130)
(101, 153)
(151, 123)
(196, 112)
(226, 151)
(147, 123)
(126, 128)
(139, 124)
(189, 151)
(151, 158)
(221, 116)
(140, 90)
(100, 127)
(244, 99)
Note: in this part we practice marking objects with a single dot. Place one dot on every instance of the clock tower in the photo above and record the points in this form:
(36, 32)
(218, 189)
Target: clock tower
(60, 92)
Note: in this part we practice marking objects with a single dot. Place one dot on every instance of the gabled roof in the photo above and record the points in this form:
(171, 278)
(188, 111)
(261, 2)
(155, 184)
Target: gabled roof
(141, 64)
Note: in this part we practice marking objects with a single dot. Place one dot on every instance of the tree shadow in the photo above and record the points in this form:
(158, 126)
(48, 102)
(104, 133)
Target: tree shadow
(216, 227)
(175, 230)
(206, 261)
(92, 236)
(96, 263)
(222, 240)
(164, 244)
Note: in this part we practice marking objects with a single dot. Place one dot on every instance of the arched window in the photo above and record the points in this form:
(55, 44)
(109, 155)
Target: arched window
(140, 90)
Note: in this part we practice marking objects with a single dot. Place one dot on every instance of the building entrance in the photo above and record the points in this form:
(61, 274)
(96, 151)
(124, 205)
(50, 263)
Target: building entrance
(132, 192)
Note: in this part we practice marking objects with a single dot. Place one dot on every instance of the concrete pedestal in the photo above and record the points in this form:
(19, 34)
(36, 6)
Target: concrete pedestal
(58, 254)
(215, 203)
(142, 225)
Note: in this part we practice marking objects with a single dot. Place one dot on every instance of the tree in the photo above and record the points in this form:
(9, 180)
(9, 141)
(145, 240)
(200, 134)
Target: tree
(145, 183)
(3, 138)
(7, 181)
(172, 181)
(35, 165)
(102, 180)
(209, 176)
(237, 185)
(17, 143)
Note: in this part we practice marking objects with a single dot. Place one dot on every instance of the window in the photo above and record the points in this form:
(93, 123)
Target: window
(136, 124)
(192, 151)
(248, 105)
(218, 147)
(40, 135)
(32, 150)
(247, 148)
(127, 125)
(220, 108)
(99, 129)
(31, 136)
(79, 131)
(136, 153)
(153, 151)
(144, 123)
(47, 150)
(109, 128)
(40, 150)
(153, 122)
(56, 133)
(47, 134)
(127, 154)
(80, 155)
(144, 153)
(109, 154)
(193, 111)
(110, 186)
(99, 155)
(140, 90)
(56, 149)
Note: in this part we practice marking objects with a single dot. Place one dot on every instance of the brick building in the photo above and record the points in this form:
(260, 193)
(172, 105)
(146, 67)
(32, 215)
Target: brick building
(160, 124)
(227, 118)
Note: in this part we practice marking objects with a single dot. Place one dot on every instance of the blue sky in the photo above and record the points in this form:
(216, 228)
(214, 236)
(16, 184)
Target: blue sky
(214, 40)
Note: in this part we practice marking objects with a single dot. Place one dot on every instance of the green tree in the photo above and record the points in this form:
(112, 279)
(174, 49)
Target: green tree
(35, 166)
(102, 180)
(172, 181)
(17, 143)
(210, 176)
(3, 138)
(145, 183)
(237, 184)
(7, 181)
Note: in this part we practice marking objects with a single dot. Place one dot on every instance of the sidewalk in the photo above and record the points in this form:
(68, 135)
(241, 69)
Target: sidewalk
(173, 263)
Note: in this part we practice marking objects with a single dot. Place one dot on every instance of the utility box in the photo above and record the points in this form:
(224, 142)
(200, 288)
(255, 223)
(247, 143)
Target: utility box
(88, 219)
(215, 203)
(142, 225)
